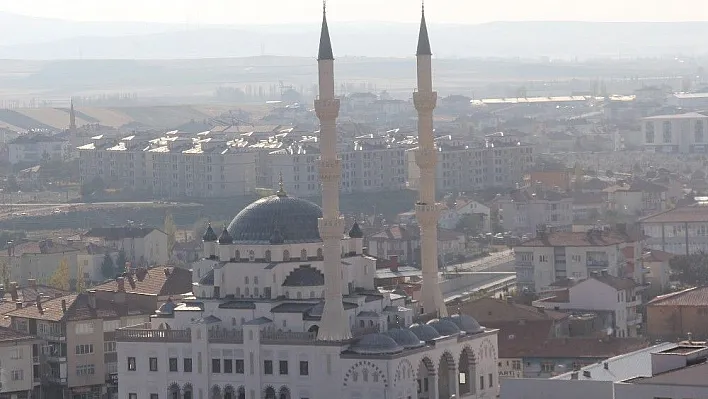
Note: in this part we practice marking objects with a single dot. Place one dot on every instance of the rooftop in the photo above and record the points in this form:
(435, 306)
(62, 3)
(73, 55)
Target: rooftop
(574, 239)
(119, 233)
(694, 375)
(696, 296)
(688, 214)
(159, 281)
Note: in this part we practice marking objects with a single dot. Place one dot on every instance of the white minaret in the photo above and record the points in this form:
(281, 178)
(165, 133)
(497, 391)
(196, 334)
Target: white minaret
(427, 210)
(335, 323)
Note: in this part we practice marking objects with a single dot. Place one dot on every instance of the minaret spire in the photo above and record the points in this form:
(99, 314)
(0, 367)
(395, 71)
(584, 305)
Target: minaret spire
(426, 209)
(334, 324)
(72, 116)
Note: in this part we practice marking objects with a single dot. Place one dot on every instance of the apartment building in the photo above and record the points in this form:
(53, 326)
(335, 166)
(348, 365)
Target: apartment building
(557, 256)
(523, 210)
(373, 164)
(638, 197)
(499, 161)
(297, 164)
(79, 357)
(20, 364)
(38, 260)
(680, 231)
(37, 147)
(143, 246)
(682, 133)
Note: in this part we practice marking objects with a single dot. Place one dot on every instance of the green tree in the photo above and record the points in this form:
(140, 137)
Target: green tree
(108, 269)
(171, 231)
(60, 278)
(92, 187)
(691, 269)
(121, 259)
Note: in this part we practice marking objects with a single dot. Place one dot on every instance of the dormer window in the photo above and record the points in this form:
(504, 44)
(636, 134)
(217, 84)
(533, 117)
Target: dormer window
(286, 256)
(320, 256)
(238, 255)
(251, 256)
(267, 255)
(303, 254)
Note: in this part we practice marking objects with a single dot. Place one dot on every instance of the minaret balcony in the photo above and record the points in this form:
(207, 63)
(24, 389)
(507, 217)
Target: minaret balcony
(427, 214)
(327, 109)
(425, 101)
(331, 228)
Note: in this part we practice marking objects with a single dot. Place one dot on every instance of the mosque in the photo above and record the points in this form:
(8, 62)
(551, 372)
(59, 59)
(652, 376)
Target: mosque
(284, 304)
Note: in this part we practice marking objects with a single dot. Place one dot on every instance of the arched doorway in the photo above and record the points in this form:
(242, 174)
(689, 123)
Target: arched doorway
(229, 392)
(467, 372)
(187, 391)
(284, 393)
(215, 392)
(446, 376)
(174, 392)
(314, 329)
(426, 378)
(269, 393)
(241, 392)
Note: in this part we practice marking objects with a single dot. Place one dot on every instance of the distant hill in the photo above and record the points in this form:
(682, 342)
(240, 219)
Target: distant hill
(53, 39)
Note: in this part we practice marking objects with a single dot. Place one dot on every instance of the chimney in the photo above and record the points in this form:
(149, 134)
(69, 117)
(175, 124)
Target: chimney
(18, 305)
(32, 282)
(606, 366)
(121, 284)
(394, 263)
(39, 304)
(92, 299)
(63, 305)
(690, 338)
(141, 273)
(167, 271)
(131, 280)
(13, 291)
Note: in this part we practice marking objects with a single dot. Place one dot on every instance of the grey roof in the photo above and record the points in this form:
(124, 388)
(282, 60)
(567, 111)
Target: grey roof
(225, 237)
(208, 278)
(444, 327)
(629, 365)
(237, 305)
(423, 40)
(405, 337)
(376, 344)
(325, 51)
(355, 231)
(209, 235)
(465, 323)
(211, 319)
(693, 375)
(425, 332)
(367, 313)
(167, 308)
(293, 307)
(315, 313)
(304, 276)
(258, 321)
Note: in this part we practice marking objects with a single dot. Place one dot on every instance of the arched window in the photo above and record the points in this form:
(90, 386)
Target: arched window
(245, 280)
(233, 321)
(248, 292)
(286, 256)
(238, 292)
(303, 254)
(287, 294)
(255, 291)
(251, 256)
(312, 294)
(299, 295)
(267, 255)
(320, 256)
(365, 375)
(238, 255)
(362, 324)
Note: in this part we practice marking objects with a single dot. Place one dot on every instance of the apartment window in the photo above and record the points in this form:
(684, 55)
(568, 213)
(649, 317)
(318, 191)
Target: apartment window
(304, 367)
(542, 258)
(699, 132)
(87, 369)
(154, 396)
(109, 347)
(153, 364)
(216, 365)
(16, 353)
(84, 328)
(132, 396)
(187, 365)
(283, 367)
(173, 364)
(491, 380)
(516, 365)
(111, 325)
(228, 366)
(239, 366)
(481, 382)
(667, 134)
(84, 349)
(131, 364)
(547, 367)
(268, 367)
(17, 375)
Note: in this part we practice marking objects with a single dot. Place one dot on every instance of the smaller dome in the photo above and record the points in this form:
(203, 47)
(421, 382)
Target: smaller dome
(425, 332)
(355, 231)
(209, 235)
(167, 308)
(376, 344)
(276, 238)
(466, 323)
(225, 237)
(404, 337)
(444, 327)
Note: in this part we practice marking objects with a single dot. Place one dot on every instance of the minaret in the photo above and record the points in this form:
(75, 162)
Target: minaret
(72, 116)
(335, 323)
(427, 210)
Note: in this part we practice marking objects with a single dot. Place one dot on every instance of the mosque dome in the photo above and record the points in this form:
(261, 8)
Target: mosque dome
(404, 337)
(444, 327)
(376, 344)
(425, 332)
(277, 219)
(466, 323)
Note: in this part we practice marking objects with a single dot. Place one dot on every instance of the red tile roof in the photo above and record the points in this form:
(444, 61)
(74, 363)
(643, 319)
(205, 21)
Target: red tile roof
(696, 296)
(159, 281)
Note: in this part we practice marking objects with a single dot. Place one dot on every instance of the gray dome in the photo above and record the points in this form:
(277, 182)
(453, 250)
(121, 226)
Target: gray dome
(466, 323)
(294, 219)
(405, 338)
(425, 332)
(376, 344)
(444, 327)
(209, 235)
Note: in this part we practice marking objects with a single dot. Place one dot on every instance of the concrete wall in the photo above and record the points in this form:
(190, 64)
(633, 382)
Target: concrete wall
(677, 321)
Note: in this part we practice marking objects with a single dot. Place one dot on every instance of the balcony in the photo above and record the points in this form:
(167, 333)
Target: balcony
(226, 336)
(597, 263)
(51, 336)
(147, 335)
(634, 319)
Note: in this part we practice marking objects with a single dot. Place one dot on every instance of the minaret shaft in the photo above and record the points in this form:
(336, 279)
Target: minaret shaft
(335, 323)
(427, 210)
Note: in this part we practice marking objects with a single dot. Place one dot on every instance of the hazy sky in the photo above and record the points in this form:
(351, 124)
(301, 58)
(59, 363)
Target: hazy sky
(283, 11)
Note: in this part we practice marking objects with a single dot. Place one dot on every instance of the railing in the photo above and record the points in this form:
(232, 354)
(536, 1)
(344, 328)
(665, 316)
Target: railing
(145, 335)
(51, 336)
(226, 336)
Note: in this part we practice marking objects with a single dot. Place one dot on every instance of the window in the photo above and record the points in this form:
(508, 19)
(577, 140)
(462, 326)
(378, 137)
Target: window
(154, 396)
(304, 368)
(698, 132)
(286, 255)
(131, 364)
(268, 367)
(542, 258)
(17, 375)
(84, 328)
(303, 254)
(187, 365)
(667, 132)
(153, 364)
(481, 382)
(491, 380)
(239, 366)
(283, 367)
(132, 396)
(85, 349)
(111, 325)
(109, 346)
(547, 367)
(516, 365)
(173, 364)
(87, 369)
(216, 365)
(16, 353)
(228, 366)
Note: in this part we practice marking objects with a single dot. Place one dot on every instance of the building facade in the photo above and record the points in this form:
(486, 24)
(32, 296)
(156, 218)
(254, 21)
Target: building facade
(683, 133)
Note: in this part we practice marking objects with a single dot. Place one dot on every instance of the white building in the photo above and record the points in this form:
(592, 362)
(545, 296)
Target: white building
(451, 216)
(557, 256)
(680, 231)
(143, 246)
(36, 148)
(523, 210)
(683, 133)
(18, 359)
(617, 297)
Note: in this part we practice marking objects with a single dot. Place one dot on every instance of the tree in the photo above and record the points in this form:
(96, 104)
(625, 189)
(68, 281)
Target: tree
(96, 185)
(691, 269)
(108, 269)
(469, 224)
(60, 278)
(121, 259)
(80, 281)
(5, 276)
(609, 173)
(171, 231)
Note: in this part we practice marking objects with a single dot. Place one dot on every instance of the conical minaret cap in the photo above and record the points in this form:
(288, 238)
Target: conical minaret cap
(423, 40)
(325, 52)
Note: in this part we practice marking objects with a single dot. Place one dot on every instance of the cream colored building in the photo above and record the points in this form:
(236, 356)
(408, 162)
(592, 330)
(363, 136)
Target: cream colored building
(20, 368)
(682, 133)
(143, 246)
